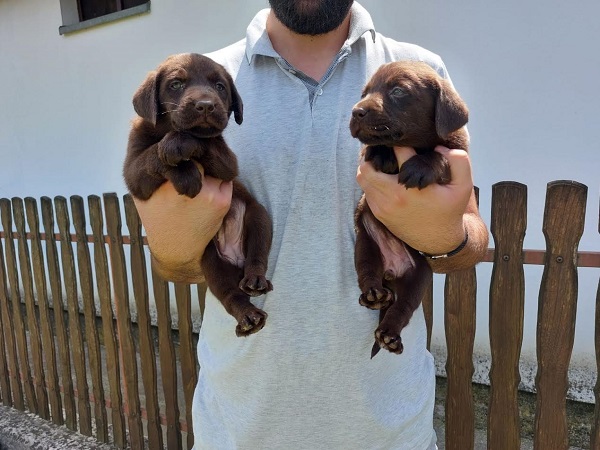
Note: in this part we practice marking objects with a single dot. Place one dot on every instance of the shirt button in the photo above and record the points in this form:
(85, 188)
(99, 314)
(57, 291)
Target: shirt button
(320, 91)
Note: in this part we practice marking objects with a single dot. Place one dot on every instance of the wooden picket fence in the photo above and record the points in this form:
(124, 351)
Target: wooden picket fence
(53, 364)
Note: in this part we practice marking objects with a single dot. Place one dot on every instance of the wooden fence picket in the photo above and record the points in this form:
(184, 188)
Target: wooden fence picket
(202, 298)
(595, 435)
(58, 309)
(86, 283)
(139, 276)
(127, 347)
(459, 318)
(15, 299)
(564, 217)
(75, 332)
(109, 335)
(12, 394)
(187, 357)
(428, 312)
(507, 304)
(5, 394)
(35, 343)
(48, 348)
(460, 297)
(168, 364)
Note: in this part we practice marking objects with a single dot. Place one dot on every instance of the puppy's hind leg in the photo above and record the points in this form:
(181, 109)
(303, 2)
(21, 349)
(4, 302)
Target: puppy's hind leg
(258, 234)
(410, 289)
(223, 280)
(369, 265)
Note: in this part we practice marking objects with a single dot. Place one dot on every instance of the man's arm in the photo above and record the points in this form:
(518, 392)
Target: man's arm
(179, 228)
(433, 220)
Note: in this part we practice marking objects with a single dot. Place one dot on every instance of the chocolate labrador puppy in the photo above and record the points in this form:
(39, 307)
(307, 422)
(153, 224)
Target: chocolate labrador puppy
(404, 104)
(183, 107)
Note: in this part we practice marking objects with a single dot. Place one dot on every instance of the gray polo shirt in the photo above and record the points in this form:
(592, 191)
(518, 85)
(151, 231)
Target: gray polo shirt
(306, 381)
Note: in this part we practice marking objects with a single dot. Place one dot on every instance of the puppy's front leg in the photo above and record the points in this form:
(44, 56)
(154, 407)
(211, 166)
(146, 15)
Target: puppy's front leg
(219, 161)
(177, 146)
(143, 171)
(424, 169)
(382, 158)
(175, 152)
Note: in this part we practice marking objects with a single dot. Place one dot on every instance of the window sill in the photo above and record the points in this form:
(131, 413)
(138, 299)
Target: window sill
(134, 11)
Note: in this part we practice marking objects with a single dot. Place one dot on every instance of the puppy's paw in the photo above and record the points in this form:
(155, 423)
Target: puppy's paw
(382, 158)
(186, 178)
(255, 285)
(252, 321)
(176, 147)
(424, 169)
(376, 298)
(389, 340)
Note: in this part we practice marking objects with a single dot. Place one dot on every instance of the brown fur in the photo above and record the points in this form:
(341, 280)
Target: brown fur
(403, 104)
(183, 107)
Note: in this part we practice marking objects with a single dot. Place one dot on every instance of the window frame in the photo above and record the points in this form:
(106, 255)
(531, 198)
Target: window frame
(71, 22)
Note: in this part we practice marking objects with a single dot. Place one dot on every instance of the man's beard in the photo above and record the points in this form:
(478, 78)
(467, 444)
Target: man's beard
(311, 17)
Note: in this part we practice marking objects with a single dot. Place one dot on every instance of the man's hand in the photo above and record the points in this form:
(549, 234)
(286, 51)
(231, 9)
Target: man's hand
(434, 219)
(179, 228)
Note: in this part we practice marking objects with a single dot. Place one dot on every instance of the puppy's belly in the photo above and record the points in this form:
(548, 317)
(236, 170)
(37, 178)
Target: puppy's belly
(230, 238)
(396, 258)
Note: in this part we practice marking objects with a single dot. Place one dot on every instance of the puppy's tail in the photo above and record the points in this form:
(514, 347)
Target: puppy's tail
(376, 347)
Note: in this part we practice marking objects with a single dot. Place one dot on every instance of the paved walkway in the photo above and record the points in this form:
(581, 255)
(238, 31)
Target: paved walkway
(24, 431)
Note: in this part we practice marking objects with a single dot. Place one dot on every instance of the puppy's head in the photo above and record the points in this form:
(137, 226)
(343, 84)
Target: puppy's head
(189, 92)
(407, 104)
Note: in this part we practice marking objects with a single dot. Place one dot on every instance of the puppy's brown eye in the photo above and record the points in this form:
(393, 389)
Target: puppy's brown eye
(220, 86)
(176, 85)
(397, 92)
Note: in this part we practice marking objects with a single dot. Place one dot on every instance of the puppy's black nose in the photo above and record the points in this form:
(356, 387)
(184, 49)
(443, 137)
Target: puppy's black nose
(205, 106)
(359, 113)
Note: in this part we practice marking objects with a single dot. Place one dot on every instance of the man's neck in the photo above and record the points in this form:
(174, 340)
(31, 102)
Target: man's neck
(310, 54)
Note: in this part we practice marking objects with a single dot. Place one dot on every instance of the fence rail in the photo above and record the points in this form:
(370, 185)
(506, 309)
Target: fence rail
(99, 373)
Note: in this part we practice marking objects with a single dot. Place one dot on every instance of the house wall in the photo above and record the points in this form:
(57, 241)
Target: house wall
(528, 71)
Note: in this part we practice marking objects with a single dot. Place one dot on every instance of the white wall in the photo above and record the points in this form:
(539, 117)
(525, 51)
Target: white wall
(529, 72)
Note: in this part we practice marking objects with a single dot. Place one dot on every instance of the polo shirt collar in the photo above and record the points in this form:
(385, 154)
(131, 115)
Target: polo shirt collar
(258, 42)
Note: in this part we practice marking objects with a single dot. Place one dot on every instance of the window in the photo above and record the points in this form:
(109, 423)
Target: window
(81, 14)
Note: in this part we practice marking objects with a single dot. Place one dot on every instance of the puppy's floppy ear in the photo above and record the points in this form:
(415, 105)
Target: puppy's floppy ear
(145, 99)
(451, 113)
(236, 105)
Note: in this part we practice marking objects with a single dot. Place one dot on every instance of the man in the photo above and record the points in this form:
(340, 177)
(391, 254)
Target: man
(306, 381)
